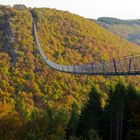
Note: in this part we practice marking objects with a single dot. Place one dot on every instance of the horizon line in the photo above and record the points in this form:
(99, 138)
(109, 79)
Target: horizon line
(12, 6)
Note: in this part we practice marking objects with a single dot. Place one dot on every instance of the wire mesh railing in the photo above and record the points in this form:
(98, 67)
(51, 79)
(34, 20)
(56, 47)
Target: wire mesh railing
(129, 65)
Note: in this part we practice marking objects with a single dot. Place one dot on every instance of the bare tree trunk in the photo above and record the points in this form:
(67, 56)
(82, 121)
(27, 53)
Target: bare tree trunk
(118, 122)
(111, 129)
(121, 123)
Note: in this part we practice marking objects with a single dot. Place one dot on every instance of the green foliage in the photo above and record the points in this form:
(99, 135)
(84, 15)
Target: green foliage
(119, 112)
(49, 124)
(110, 20)
(28, 86)
(93, 135)
(119, 119)
(89, 118)
(133, 113)
(73, 122)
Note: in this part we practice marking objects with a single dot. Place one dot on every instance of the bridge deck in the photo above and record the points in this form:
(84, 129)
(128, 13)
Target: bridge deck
(129, 65)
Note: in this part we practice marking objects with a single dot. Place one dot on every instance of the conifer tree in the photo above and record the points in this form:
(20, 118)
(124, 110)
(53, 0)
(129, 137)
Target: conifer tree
(117, 99)
(73, 121)
(133, 114)
(89, 118)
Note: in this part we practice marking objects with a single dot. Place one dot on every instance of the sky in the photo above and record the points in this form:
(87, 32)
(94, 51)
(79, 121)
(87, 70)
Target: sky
(123, 9)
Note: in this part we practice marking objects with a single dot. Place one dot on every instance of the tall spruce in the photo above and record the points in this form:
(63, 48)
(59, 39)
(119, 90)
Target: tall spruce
(133, 114)
(90, 114)
(117, 99)
(73, 121)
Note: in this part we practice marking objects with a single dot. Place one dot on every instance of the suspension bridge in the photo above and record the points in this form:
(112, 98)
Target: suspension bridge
(129, 65)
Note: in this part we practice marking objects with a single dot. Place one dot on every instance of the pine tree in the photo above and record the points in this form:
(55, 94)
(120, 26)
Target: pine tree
(73, 121)
(117, 99)
(133, 114)
(89, 118)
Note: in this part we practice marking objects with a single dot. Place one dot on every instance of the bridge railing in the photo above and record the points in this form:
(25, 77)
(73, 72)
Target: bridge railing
(119, 66)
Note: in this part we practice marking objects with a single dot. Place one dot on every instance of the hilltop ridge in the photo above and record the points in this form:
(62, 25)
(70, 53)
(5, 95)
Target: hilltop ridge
(127, 29)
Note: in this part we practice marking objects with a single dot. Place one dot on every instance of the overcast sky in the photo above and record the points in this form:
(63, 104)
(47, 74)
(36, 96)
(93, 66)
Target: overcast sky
(124, 9)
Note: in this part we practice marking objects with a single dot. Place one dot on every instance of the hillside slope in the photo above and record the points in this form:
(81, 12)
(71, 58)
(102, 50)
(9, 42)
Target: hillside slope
(72, 34)
(127, 29)
(26, 82)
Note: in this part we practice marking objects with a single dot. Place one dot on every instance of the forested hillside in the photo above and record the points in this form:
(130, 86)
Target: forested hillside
(36, 102)
(127, 29)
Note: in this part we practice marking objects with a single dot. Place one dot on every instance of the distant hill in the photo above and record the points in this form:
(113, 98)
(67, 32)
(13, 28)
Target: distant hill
(127, 29)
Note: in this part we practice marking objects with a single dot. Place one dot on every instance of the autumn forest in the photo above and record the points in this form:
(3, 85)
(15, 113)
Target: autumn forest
(39, 103)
